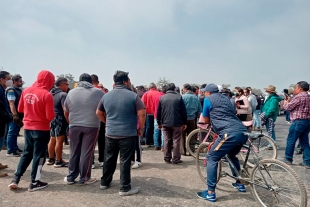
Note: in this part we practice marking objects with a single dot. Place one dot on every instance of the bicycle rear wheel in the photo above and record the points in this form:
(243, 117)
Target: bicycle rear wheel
(201, 162)
(195, 138)
(264, 147)
(273, 183)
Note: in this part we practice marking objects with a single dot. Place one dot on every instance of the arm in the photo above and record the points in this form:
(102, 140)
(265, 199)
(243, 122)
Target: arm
(101, 115)
(184, 113)
(21, 104)
(199, 109)
(290, 105)
(142, 118)
(159, 115)
(272, 110)
(66, 110)
(207, 106)
(49, 107)
(246, 103)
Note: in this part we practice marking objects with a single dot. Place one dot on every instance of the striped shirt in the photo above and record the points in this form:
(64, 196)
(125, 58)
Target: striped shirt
(299, 107)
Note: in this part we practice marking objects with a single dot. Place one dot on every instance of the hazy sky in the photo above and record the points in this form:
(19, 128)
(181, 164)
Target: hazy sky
(243, 43)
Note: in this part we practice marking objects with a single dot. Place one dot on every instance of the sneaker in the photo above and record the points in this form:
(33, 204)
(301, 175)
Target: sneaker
(206, 196)
(239, 186)
(168, 162)
(93, 166)
(60, 163)
(101, 164)
(104, 187)
(136, 165)
(37, 186)
(303, 164)
(50, 161)
(177, 162)
(157, 148)
(13, 154)
(19, 150)
(68, 182)
(286, 161)
(90, 181)
(299, 152)
(133, 190)
(14, 184)
(3, 166)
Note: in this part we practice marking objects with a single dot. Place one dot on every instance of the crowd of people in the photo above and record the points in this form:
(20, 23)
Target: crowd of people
(120, 120)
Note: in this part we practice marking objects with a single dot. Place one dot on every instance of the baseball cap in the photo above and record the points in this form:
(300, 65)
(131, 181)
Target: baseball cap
(86, 77)
(212, 88)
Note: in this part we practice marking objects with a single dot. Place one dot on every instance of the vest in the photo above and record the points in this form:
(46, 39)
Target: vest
(121, 112)
(18, 93)
(222, 115)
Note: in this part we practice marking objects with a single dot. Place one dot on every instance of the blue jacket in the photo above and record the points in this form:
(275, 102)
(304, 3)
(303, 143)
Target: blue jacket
(193, 105)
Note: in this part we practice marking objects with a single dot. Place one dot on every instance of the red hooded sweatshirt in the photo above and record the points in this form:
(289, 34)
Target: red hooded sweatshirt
(37, 103)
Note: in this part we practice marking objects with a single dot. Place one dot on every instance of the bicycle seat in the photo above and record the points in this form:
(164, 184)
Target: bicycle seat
(253, 136)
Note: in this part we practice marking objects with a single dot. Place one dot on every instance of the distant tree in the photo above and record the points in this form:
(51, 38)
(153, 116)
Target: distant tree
(161, 82)
(257, 91)
(70, 78)
(226, 85)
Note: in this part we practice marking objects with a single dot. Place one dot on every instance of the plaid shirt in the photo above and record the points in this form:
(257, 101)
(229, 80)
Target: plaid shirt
(299, 106)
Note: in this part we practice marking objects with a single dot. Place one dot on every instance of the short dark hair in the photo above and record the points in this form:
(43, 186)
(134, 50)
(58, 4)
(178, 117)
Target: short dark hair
(171, 87)
(140, 88)
(237, 88)
(94, 78)
(304, 85)
(194, 89)
(247, 90)
(152, 85)
(3, 74)
(188, 87)
(249, 87)
(164, 89)
(85, 77)
(240, 90)
(16, 78)
(60, 80)
(120, 76)
(203, 86)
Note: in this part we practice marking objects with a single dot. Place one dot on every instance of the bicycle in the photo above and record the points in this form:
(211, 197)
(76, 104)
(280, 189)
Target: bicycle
(272, 182)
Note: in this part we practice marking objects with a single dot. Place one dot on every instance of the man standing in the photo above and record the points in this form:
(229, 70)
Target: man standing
(121, 110)
(172, 117)
(5, 117)
(148, 100)
(59, 124)
(219, 112)
(271, 110)
(158, 133)
(13, 94)
(299, 109)
(193, 109)
(101, 135)
(80, 111)
(37, 104)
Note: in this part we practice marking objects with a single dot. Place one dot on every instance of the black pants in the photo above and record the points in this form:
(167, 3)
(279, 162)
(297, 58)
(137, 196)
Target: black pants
(138, 151)
(34, 150)
(101, 142)
(126, 148)
(149, 129)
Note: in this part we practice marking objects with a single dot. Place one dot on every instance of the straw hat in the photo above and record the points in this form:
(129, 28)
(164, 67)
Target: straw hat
(271, 89)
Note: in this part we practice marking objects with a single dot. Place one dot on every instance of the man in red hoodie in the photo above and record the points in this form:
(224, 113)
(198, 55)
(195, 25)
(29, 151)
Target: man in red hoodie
(37, 104)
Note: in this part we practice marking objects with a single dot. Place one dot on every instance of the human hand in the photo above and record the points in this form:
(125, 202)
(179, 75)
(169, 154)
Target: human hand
(139, 132)
(16, 119)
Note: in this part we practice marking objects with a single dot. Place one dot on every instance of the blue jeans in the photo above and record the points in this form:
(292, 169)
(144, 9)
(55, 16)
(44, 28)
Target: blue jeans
(273, 132)
(287, 116)
(232, 147)
(300, 128)
(12, 137)
(256, 118)
(157, 133)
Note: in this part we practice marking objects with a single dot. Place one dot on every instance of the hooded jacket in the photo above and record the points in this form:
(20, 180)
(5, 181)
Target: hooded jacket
(59, 101)
(37, 103)
(271, 106)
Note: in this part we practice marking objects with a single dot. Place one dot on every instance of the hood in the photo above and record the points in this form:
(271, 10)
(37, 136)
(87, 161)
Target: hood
(54, 91)
(85, 84)
(45, 80)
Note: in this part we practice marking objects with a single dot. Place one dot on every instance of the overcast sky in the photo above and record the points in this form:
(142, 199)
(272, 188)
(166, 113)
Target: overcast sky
(237, 42)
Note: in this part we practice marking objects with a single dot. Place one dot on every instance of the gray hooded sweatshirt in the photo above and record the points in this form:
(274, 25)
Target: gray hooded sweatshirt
(81, 103)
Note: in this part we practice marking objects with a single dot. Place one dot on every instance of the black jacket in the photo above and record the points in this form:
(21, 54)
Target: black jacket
(171, 110)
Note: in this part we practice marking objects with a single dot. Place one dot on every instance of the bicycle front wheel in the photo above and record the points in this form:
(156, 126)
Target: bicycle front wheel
(264, 147)
(195, 138)
(273, 183)
(201, 162)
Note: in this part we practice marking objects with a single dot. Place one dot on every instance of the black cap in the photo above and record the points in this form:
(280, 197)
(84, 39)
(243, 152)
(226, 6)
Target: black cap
(86, 77)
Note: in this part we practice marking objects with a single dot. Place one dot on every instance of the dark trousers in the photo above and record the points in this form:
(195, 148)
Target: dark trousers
(191, 125)
(126, 148)
(172, 137)
(82, 146)
(287, 116)
(34, 150)
(232, 147)
(149, 129)
(101, 143)
(138, 150)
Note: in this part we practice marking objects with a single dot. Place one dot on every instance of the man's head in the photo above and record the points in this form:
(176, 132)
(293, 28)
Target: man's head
(270, 89)
(95, 79)
(187, 88)
(85, 77)
(164, 89)
(4, 78)
(152, 86)
(210, 89)
(121, 78)
(301, 86)
(246, 92)
(17, 81)
(171, 87)
(140, 88)
(62, 83)
(249, 88)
